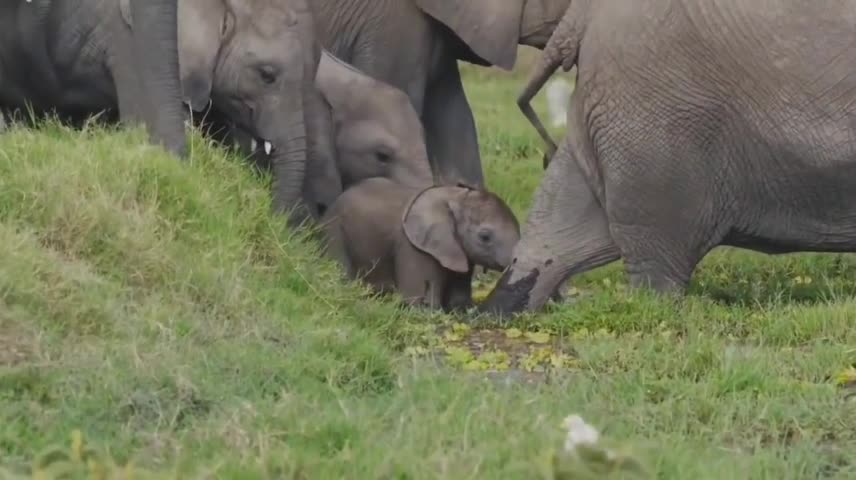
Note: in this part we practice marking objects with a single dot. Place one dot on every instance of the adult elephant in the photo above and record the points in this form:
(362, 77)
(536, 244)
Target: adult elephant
(76, 58)
(415, 45)
(725, 123)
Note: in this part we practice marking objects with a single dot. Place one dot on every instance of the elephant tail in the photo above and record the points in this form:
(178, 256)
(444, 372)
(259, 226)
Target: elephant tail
(561, 50)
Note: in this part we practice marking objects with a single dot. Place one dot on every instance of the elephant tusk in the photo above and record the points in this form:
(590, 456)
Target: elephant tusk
(268, 148)
(253, 145)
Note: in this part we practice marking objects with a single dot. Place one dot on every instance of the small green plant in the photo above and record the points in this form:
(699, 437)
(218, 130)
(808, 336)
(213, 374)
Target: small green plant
(81, 462)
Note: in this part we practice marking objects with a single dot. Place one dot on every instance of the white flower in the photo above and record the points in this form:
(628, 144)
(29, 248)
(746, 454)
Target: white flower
(579, 433)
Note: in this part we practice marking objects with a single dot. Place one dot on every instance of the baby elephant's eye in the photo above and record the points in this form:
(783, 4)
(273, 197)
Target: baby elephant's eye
(485, 236)
(383, 157)
(267, 74)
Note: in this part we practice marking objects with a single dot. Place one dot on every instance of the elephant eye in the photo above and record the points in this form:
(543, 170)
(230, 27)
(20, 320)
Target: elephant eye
(383, 157)
(485, 236)
(267, 74)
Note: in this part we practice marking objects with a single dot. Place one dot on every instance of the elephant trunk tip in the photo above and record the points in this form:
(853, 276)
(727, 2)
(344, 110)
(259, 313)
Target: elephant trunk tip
(510, 298)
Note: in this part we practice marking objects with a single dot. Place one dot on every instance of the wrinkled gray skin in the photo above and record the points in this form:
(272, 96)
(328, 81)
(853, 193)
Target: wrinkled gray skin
(255, 62)
(421, 242)
(76, 58)
(377, 131)
(719, 124)
(414, 45)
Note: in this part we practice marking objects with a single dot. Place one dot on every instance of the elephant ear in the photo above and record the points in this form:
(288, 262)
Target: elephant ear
(430, 226)
(491, 28)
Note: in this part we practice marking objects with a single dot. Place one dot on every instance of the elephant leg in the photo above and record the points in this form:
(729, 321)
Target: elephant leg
(450, 129)
(459, 292)
(129, 93)
(335, 247)
(419, 279)
(662, 237)
(154, 52)
(129, 88)
(2, 122)
(657, 256)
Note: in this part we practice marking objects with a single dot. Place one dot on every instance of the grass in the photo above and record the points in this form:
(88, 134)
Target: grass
(160, 310)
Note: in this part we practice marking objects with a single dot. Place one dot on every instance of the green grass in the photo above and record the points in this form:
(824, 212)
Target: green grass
(158, 308)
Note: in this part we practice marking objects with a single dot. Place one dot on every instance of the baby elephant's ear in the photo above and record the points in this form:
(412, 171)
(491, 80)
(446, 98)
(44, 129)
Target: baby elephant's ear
(430, 226)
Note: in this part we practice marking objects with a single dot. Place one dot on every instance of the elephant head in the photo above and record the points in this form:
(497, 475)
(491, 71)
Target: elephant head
(459, 224)
(377, 130)
(249, 59)
(156, 50)
(492, 29)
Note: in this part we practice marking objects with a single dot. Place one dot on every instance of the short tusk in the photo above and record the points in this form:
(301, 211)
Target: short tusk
(268, 148)
(253, 145)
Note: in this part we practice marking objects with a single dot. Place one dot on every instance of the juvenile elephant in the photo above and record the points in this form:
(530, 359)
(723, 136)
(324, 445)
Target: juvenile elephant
(254, 62)
(421, 242)
(414, 45)
(376, 129)
(720, 123)
(76, 58)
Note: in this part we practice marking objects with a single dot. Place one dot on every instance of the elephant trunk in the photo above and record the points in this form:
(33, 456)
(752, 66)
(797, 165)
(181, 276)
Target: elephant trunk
(156, 48)
(539, 20)
(323, 182)
(566, 233)
(288, 154)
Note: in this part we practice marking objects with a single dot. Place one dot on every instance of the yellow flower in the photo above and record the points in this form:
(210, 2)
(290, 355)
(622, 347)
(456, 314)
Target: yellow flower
(846, 377)
(538, 337)
(513, 333)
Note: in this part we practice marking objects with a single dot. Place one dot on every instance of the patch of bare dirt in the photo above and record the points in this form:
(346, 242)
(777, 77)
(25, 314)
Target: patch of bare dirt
(505, 355)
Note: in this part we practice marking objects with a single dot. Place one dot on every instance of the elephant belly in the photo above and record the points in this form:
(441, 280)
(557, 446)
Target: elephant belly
(390, 40)
(796, 205)
(75, 99)
(57, 65)
(85, 85)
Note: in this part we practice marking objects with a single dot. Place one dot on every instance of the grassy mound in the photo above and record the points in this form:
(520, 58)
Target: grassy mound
(159, 309)
(138, 293)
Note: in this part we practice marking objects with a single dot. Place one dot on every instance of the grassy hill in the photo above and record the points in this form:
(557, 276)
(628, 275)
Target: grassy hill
(159, 309)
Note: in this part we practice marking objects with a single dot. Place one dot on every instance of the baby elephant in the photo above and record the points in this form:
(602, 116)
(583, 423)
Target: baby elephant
(422, 242)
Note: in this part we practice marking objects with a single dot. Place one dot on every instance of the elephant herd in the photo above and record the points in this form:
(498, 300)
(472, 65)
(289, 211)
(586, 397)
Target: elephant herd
(693, 124)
